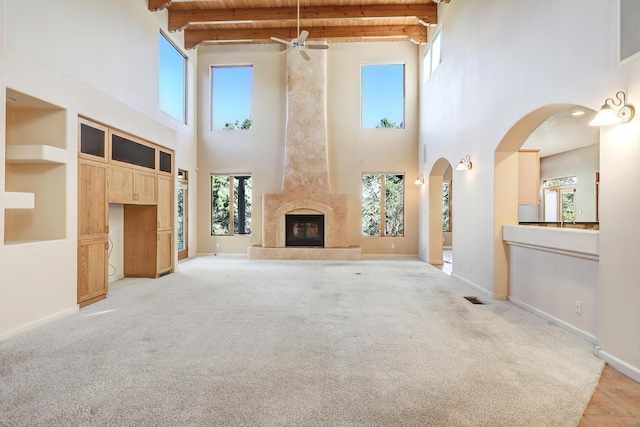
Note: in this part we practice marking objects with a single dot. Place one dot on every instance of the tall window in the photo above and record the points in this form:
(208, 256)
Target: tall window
(231, 97)
(230, 204)
(383, 93)
(446, 206)
(432, 56)
(172, 80)
(382, 205)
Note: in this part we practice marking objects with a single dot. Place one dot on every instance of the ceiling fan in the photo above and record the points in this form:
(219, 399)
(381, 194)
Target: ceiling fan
(299, 43)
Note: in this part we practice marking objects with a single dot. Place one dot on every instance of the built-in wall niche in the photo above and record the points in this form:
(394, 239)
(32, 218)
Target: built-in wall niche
(35, 169)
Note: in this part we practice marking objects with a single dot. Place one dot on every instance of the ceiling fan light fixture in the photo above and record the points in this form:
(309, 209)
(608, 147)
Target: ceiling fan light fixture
(299, 43)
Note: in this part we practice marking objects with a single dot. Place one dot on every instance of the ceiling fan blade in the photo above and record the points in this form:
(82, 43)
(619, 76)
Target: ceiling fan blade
(282, 52)
(317, 46)
(303, 36)
(276, 39)
(305, 55)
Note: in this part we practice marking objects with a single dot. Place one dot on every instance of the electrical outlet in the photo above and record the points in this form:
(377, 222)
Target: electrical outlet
(393, 246)
(578, 307)
(469, 267)
(217, 245)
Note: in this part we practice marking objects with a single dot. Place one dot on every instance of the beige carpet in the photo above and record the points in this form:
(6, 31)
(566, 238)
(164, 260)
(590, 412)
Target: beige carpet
(231, 342)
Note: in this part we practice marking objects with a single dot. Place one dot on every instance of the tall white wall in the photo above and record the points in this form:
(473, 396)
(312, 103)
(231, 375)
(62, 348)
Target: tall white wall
(91, 58)
(351, 150)
(505, 61)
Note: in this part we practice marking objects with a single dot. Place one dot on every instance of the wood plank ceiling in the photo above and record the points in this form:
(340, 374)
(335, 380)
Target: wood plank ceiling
(255, 21)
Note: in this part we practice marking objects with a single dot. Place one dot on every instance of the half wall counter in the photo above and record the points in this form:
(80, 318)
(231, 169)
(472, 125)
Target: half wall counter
(554, 272)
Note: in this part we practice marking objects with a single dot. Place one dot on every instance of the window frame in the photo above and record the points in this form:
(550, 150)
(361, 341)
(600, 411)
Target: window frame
(185, 85)
(383, 201)
(212, 97)
(232, 178)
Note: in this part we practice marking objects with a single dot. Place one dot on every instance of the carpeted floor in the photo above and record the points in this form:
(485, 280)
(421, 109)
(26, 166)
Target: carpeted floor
(231, 342)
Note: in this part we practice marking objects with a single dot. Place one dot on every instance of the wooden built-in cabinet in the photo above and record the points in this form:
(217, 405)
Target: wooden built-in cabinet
(93, 264)
(114, 167)
(93, 212)
(132, 186)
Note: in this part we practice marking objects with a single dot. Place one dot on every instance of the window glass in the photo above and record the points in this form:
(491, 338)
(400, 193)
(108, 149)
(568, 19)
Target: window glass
(446, 206)
(383, 93)
(435, 55)
(426, 65)
(231, 97)
(230, 204)
(382, 203)
(172, 80)
(371, 205)
(432, 56)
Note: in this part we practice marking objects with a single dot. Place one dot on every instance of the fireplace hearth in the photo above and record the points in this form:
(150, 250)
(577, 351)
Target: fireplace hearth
(305, 230)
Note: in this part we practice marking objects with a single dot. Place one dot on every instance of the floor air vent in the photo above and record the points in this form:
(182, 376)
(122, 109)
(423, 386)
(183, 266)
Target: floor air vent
(473, 300)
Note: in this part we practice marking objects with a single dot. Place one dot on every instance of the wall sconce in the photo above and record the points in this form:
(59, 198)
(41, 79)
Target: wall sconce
(465, 164)
(419, 180)
(606, 116)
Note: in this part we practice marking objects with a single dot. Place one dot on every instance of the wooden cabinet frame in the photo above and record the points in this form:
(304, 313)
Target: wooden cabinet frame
(148, 197)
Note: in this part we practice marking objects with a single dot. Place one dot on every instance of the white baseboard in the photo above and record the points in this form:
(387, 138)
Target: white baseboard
(36, 323)
(480, 289)
(625, 368)
(116, 278)
(561, 323)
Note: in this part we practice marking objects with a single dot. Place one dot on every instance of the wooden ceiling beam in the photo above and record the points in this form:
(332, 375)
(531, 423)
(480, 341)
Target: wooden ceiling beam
(416, 33)
(181, 19)
(155, 5)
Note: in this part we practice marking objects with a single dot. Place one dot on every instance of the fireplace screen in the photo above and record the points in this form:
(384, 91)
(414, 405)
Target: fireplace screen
(305, 230)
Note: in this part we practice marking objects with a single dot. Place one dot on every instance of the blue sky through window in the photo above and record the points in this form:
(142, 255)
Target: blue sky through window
(382, 94)
(172, 80)
(232, 95)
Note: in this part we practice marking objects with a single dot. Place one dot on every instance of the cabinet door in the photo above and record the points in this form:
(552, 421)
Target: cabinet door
(92, 199)
(165, 254)
(92, 270)
(165, 203)
(92, 138)
(121, 185)
(146, 188)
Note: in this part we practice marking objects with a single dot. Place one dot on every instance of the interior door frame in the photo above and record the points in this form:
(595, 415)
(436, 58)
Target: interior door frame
(183, 184)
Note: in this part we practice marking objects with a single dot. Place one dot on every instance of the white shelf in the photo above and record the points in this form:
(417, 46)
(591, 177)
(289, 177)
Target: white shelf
(14, 200)
(30, 154)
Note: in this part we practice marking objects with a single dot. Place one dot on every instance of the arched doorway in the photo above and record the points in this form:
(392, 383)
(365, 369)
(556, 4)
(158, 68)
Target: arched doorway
(506, 201)
(440, 174)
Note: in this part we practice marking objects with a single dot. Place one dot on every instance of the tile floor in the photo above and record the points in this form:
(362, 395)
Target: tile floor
(616, 402)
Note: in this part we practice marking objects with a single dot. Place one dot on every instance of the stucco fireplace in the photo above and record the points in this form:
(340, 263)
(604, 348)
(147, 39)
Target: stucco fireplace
(305, 182)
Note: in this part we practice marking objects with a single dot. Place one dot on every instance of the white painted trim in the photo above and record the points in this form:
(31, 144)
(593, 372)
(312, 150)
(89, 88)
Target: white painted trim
(618, 364)
(473, 285)
(116, 278)
(574, 254)
(39, 322)
(561, 323)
